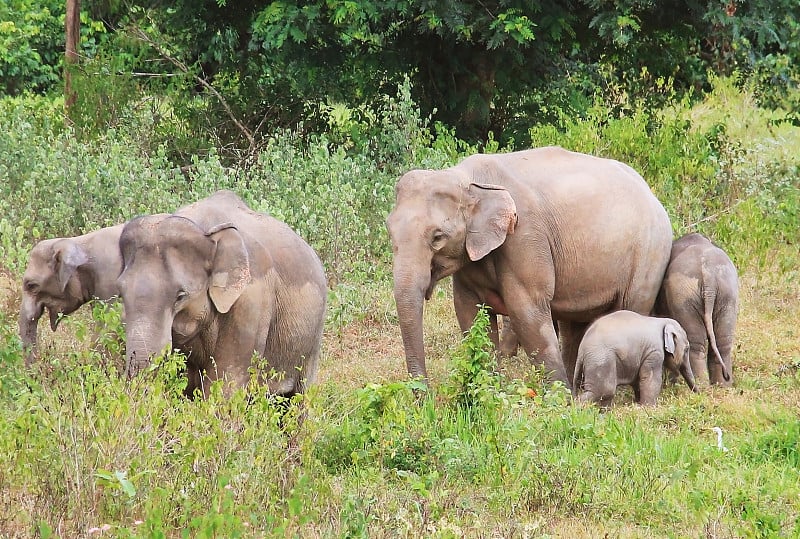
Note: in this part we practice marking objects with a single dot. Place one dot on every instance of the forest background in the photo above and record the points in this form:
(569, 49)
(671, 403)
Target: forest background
(311, 111)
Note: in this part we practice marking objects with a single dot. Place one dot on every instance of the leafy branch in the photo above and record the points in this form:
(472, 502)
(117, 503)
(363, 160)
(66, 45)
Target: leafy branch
(140, 34)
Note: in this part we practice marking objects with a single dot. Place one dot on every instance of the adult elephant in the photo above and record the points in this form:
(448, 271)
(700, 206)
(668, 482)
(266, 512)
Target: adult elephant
(63, 274)
(224, 285)
(536, 234)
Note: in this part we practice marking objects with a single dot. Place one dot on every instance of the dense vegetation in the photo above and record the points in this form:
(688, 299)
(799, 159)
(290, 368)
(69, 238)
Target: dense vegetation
(485, 451)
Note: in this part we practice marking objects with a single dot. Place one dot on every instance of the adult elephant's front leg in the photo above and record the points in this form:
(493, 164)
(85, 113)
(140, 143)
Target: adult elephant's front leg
(536, 334)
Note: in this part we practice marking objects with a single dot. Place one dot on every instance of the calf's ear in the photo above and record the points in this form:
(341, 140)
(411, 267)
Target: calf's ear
(669, 340)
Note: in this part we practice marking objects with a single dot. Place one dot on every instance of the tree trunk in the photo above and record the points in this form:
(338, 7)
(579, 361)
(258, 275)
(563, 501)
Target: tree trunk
(73, 31)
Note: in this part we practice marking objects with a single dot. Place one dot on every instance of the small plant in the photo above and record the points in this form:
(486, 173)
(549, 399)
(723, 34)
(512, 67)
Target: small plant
(473, 379)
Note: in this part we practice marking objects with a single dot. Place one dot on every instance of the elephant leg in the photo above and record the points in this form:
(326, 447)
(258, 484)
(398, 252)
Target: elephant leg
(673, 376)
(698, 344)
(602, 400)
(650, 380)
(193, 382)
(538, 338)
(466, 305)
(598, 388)
(700, 357)
(715, 375)
(637, 394)
(723, 328)
(509, 343)
(571, 336)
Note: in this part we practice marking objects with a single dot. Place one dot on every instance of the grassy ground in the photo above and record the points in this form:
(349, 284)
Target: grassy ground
(562, 471)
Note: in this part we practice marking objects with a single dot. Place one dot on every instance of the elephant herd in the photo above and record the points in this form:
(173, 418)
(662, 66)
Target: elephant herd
(573, 250)
(217, 281)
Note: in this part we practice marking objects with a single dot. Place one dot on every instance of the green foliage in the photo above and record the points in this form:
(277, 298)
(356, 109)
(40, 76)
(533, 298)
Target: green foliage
(31, 41)
(473, 378)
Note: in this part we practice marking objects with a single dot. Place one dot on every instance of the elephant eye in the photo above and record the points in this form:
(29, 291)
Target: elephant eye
(438, 239)
(31, 286)
(182, 295)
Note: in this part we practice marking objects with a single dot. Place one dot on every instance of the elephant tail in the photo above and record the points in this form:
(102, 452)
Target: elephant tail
(709, 298)
(577, 379)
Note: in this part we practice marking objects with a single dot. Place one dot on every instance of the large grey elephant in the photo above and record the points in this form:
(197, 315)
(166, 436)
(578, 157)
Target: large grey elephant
(536, 235)
(63, 274)
(626, 348)
(231, 288)
(701, 291)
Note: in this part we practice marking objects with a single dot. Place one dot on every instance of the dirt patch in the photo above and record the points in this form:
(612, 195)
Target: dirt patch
(10, 293)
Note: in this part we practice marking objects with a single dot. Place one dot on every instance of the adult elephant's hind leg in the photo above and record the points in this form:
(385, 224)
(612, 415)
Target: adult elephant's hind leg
(571, 336)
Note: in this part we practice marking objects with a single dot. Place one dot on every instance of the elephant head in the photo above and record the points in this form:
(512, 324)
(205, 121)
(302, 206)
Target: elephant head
(176, 279)
(441, 221)
(676, 348)
(50, 282)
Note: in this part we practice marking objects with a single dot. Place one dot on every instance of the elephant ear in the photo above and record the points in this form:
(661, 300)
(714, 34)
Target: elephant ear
(230, 272)
(669, 340)
(493, 217)
(68, 256)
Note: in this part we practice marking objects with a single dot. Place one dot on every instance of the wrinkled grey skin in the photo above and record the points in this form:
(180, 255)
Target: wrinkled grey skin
(535, 235)
(221, 283)
(701, 292)
(63, 274)
(626, 348)
(509, 343)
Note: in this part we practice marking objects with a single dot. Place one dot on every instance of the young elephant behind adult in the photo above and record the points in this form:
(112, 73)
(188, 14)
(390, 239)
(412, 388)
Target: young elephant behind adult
(63, 274)
(626, 348)
(223, 284)
(701, 291)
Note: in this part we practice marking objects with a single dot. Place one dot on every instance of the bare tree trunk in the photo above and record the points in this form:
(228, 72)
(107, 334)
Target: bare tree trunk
(73, 31)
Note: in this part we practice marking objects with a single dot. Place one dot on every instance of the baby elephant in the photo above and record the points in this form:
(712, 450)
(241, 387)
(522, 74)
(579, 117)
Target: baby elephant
(627, 348)
(701, 291)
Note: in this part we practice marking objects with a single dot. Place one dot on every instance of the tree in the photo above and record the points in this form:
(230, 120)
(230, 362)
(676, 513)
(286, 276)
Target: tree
(72, 24)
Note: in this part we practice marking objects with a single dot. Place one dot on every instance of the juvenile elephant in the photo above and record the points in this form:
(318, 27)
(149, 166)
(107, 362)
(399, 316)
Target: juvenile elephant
(536, 235)
(701, 291)
(626, 348)
(223, 284)
(63, 274)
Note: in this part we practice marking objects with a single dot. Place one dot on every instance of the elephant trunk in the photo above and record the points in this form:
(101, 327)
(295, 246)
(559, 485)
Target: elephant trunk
(688, 375)
(29, 313)
(144, 339)
(409, 295)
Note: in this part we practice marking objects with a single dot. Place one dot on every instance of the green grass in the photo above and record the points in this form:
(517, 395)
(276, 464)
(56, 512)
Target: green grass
(482, 453)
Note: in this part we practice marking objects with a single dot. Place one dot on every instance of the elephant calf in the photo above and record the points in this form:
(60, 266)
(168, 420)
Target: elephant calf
(626, 348)
(63, 274)
(701, 291)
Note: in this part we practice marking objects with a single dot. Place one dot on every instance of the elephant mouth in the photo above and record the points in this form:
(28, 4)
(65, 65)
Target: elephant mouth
(438, 272)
